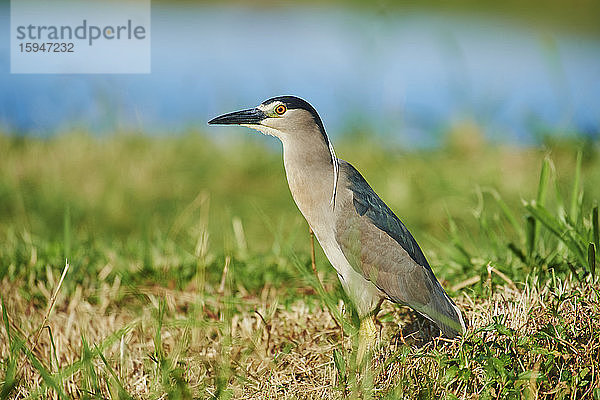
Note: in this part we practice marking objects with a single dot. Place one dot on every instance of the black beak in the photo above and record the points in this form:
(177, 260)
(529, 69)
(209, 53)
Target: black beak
(252, 116)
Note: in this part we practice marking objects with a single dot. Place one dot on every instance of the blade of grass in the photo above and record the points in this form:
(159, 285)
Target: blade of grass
(544, 180)
(53, 357)
(530, 228)
(67, 232)
(87, 368)
(43, 324)
(50, 305)
(457, 241)
(508, 214)
(340, 364)
(560, 230)
(46, 375)
(123, 394)
(592, 259)
(87, 358)
(158, 351)
(5, 318)
(10, 381)
(576, 191)
(10, 373)
(532, 225)
(596, 230)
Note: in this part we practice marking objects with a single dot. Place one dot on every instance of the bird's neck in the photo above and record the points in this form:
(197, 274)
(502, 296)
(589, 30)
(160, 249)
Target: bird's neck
(309, 171)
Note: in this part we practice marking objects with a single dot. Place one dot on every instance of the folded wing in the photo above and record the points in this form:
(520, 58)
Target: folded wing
(377, 244)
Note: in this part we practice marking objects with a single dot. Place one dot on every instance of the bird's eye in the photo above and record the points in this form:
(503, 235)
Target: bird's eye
(280, 109)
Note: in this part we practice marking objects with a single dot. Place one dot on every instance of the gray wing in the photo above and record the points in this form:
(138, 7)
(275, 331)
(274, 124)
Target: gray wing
(377, 244)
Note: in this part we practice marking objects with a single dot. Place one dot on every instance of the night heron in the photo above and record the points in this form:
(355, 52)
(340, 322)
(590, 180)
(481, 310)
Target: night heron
(374, 254)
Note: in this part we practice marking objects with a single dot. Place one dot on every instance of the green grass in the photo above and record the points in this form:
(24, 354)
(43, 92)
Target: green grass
(189, 271)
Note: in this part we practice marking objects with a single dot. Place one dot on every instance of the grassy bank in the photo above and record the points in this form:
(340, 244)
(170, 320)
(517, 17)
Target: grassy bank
(190, 275)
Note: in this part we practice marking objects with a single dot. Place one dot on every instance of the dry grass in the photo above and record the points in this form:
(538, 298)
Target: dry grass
(146, 311)
(265, 350)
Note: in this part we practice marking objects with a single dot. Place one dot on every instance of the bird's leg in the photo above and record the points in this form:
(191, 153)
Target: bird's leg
(312, 252)
(367, 335)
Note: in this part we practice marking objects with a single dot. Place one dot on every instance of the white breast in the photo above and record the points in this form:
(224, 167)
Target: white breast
(364, 294)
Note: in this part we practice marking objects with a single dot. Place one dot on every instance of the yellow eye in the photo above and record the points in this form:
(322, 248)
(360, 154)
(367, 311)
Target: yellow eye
(280, 109)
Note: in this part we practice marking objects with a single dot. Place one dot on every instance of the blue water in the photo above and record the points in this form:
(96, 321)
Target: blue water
(406, 75)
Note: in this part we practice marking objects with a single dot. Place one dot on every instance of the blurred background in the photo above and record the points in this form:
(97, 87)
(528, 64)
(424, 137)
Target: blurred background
(397, 69)
(438, 104)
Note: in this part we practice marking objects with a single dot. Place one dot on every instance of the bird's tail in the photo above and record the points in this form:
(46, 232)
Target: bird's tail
(444, 313)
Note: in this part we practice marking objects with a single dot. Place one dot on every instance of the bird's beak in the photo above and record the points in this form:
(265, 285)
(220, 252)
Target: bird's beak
(252, 116)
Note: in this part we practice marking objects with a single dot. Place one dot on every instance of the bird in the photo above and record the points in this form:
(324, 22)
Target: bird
(372, 251)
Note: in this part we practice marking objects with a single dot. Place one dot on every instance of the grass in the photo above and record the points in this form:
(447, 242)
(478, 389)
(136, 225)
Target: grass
(190, 272)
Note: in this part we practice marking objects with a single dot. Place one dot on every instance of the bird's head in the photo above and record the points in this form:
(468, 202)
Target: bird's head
(293, 120)
(285, 117)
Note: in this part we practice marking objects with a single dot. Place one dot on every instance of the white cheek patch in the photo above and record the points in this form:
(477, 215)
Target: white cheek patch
(263, 129)
(269, 106)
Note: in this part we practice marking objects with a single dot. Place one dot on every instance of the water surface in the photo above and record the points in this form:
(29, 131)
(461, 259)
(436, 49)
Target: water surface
(406, 75)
